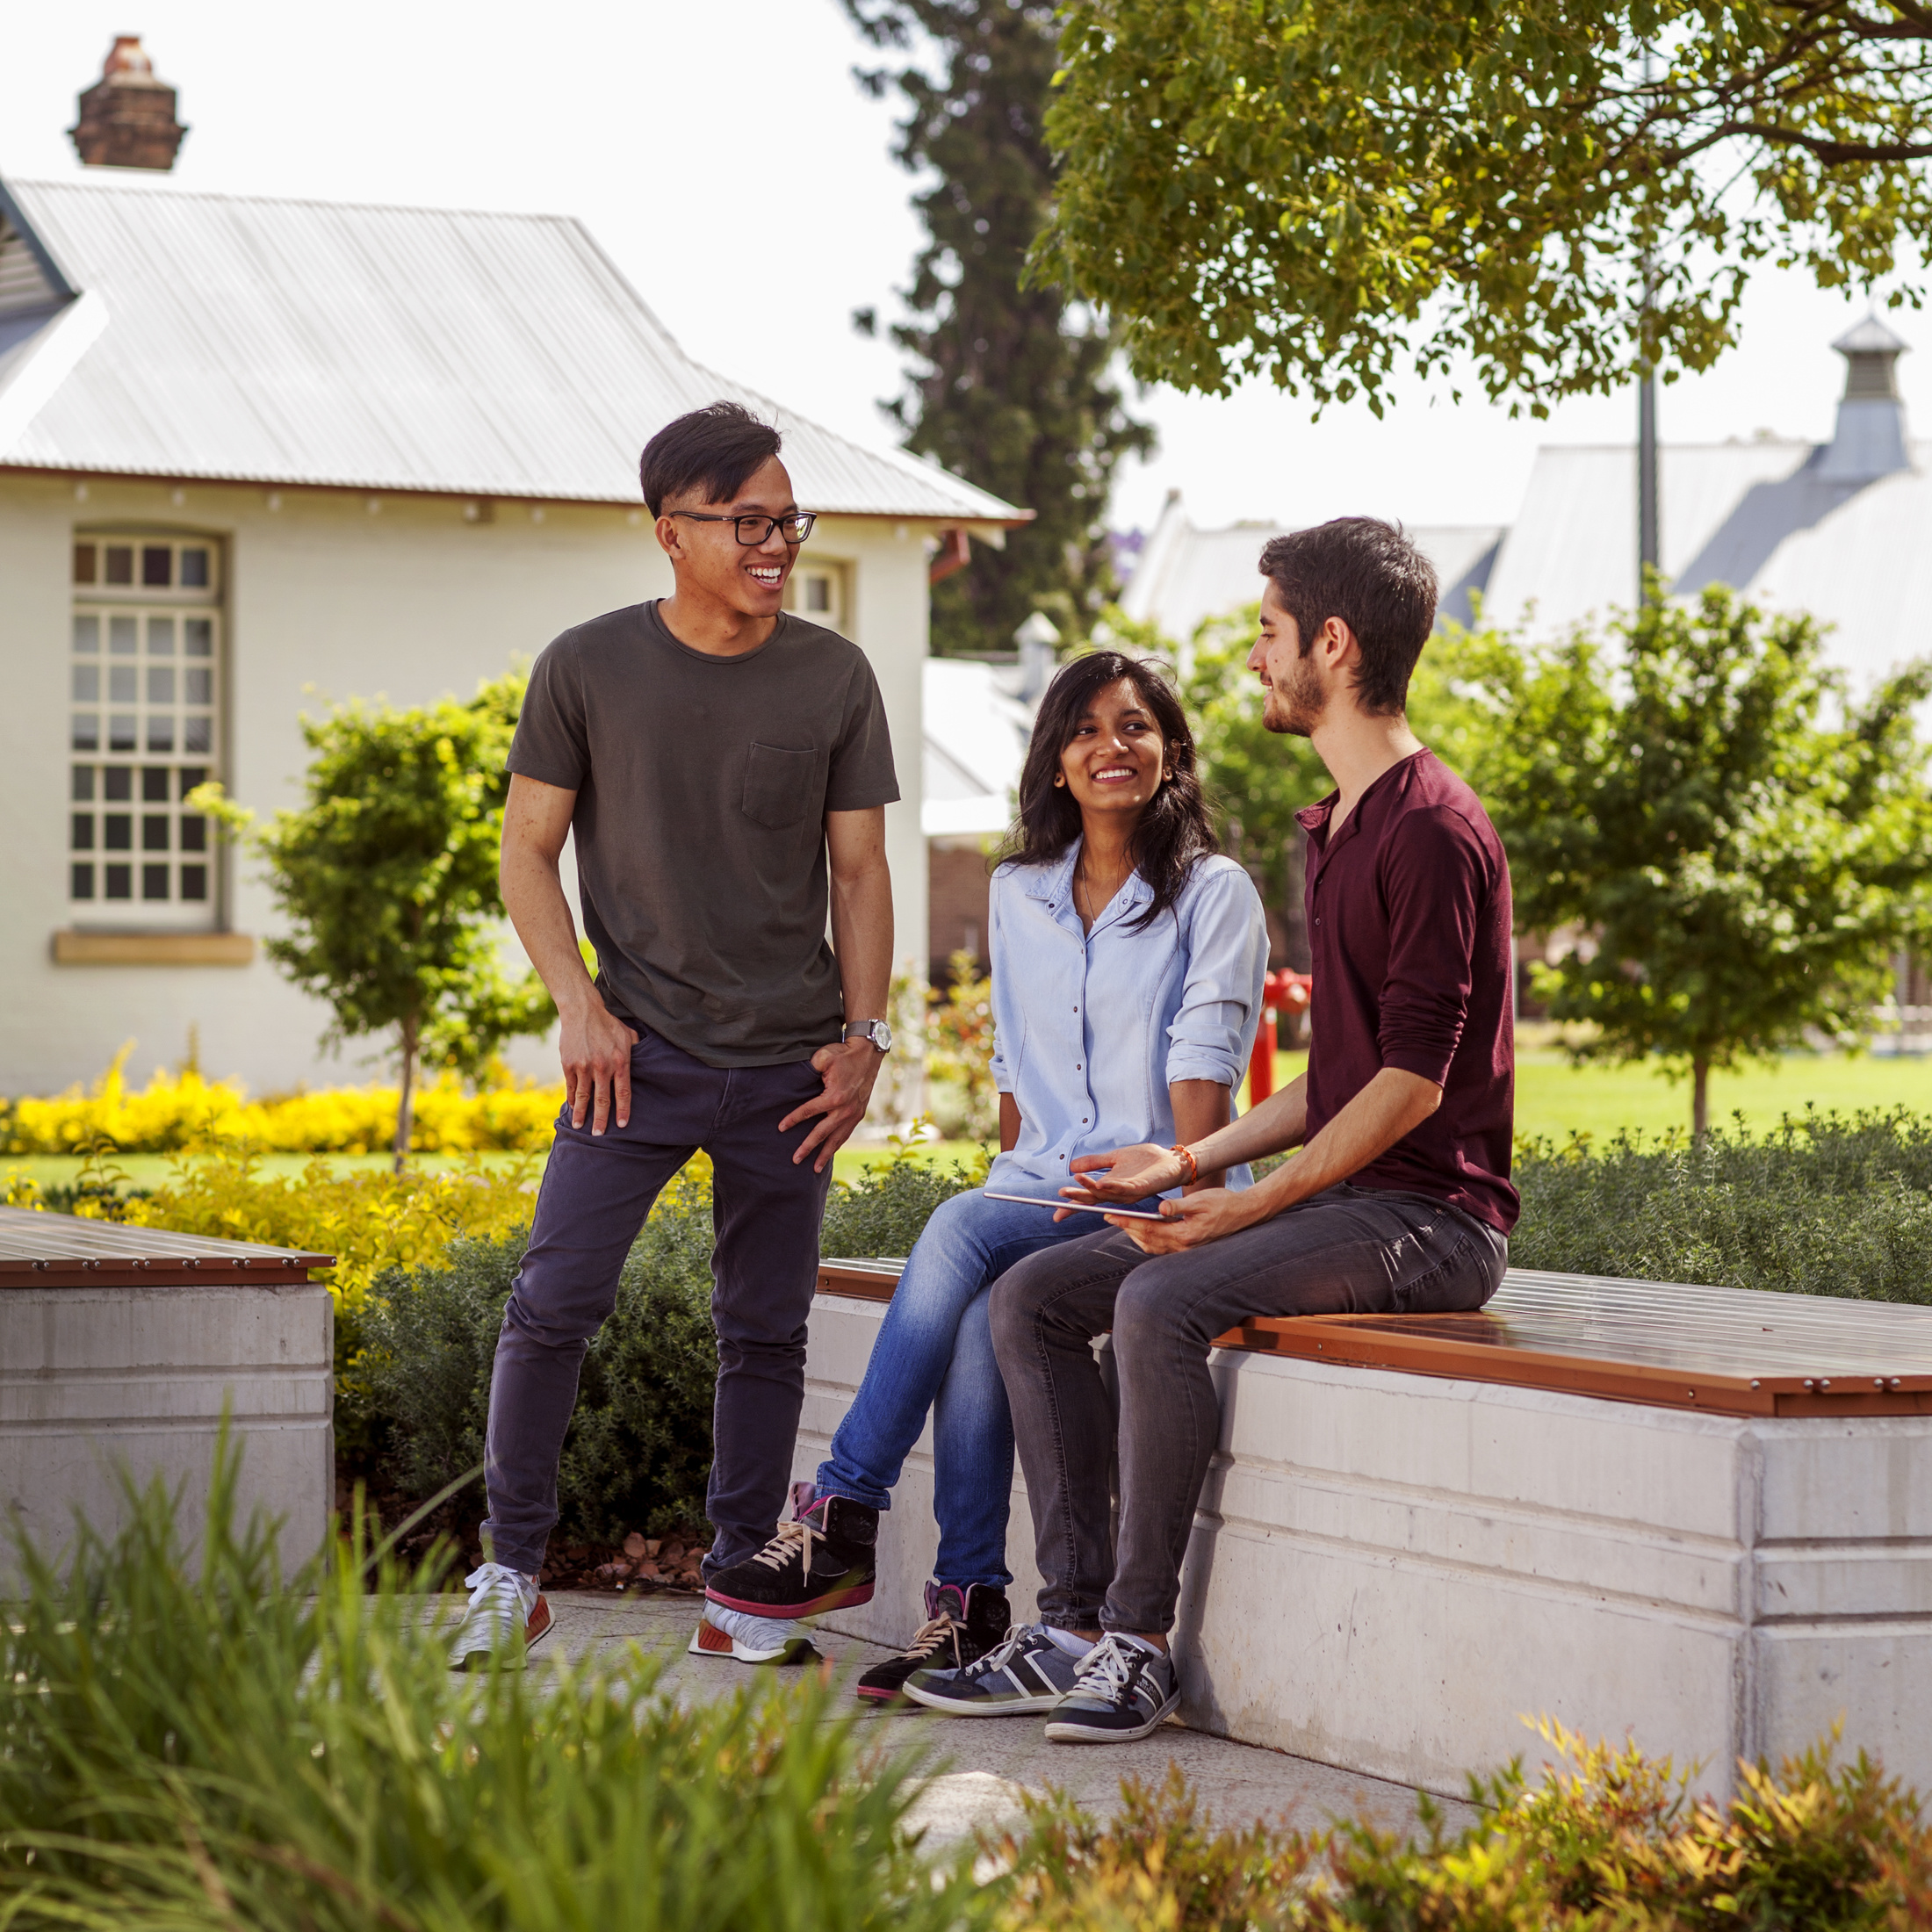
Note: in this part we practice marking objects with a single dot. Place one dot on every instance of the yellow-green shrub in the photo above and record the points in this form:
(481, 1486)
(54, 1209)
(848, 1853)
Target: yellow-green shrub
(181, 1109)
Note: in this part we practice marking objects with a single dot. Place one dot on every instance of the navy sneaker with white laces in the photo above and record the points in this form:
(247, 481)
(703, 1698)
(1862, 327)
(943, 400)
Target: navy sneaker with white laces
(1027, 1672)
(1125, 1690)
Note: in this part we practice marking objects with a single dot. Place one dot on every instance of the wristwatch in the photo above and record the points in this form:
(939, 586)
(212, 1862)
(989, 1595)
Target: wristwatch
(875, 1030)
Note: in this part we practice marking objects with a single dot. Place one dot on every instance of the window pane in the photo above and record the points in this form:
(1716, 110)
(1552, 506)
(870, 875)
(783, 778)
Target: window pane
(161, 637)
(84, 556)
(818, 593)
(161, 732)
(120, 881)
(154, 881)
(87, 731)
(154, 832)
(122, 683)
(120, 563)
(194, 569)
(194, 833)
(87, 634)
(81, 836)
(121, 731)
(197, 735)
(82, 884)
(120, 783)
(154, 784)
(157, 567)
(191, 776)
(198, 685)
(161, 684)
(194, 882)
(83, 784)
(118, 831)
(198, 636)
(87, 684)
(120, 636)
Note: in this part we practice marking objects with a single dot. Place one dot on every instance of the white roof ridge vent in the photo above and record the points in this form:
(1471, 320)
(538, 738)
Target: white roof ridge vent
(1870, 439)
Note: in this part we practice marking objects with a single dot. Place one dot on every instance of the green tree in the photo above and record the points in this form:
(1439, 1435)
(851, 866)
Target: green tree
(1730, 844)
(1311, 190)
(387, 877)
(1009, 388)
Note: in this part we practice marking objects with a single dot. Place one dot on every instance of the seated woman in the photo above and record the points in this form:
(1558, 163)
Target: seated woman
(1128, 960)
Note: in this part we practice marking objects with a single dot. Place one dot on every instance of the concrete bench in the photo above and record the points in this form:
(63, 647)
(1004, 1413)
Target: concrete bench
(1699, 1515)
(123, 1344)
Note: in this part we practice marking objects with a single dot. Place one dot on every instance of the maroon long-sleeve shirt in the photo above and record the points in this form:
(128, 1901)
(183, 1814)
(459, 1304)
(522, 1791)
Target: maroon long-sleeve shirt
(1410, 925)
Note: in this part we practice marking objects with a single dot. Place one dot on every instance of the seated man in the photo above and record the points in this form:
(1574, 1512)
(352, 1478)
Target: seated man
(1399, 1200)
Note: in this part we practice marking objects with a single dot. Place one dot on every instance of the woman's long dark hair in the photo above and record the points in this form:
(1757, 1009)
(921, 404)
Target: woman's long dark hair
(1175, 830)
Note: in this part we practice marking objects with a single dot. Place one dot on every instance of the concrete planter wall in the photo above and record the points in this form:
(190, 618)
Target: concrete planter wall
(1389, 1572)
(98, 1378)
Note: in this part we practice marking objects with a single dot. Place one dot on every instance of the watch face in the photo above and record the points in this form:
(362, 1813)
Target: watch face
(881, 1036)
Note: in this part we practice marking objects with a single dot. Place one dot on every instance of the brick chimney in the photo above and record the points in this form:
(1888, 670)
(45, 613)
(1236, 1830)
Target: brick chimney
(127, 117)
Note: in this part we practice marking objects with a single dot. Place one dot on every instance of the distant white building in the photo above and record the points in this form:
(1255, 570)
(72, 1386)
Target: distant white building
(1838, 527)
(256, 456)
(1185, 576)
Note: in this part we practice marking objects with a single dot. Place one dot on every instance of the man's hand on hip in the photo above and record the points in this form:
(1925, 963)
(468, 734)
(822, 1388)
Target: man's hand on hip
(848, 1071)
(595, 1048)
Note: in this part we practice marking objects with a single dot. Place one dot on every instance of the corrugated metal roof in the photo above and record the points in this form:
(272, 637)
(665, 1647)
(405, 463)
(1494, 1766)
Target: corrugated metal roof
(1186, 575)
(391, 348)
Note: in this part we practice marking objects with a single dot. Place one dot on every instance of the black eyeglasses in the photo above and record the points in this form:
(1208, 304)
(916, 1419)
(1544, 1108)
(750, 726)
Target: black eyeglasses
(753, 530)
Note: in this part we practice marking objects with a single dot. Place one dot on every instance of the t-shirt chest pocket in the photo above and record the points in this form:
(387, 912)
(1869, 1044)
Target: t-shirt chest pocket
(778, 784)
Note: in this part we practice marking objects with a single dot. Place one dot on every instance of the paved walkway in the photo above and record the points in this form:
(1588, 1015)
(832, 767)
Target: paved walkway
(985, 1762)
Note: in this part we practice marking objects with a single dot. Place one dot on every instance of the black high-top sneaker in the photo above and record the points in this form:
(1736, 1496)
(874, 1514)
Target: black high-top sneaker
(825, 1559)
(961, 1626)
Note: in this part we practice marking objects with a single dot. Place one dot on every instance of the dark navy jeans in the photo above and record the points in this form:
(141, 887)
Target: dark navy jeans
(597, 1191)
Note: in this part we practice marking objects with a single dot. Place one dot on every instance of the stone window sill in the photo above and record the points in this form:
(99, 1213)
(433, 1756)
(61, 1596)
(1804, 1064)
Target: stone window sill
(72, 948)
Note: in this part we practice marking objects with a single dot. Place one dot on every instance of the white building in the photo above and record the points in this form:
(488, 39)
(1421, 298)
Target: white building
(257, 457)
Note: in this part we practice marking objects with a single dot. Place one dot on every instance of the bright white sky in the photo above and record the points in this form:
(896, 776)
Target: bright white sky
(723, 155)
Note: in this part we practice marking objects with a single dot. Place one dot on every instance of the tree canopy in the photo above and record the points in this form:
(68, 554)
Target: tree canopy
(1011, 388)
(387, 874)
(1723, 846)
(1318, 192)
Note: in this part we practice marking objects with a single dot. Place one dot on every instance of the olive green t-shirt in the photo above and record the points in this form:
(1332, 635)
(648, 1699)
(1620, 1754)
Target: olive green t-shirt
(702, 785)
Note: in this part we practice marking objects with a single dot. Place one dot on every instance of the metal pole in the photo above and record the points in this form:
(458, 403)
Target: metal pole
(1648, 557)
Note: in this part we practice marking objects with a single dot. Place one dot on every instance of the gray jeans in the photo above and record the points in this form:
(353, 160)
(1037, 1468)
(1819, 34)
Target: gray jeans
(1350, 1251)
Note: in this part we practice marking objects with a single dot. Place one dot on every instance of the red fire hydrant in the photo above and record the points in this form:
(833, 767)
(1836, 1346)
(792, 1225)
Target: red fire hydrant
(1281, 992)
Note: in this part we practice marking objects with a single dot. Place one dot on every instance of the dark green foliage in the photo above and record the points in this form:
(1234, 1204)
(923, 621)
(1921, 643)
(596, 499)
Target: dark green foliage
(883, 1213)
(198, 1748)
(1821, 1206)
(1010, 387)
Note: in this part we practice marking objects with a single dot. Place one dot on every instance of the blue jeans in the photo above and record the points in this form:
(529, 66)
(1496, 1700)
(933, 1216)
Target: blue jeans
(935, 1353)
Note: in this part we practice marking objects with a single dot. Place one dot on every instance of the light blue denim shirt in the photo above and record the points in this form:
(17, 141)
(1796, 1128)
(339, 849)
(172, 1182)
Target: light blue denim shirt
(1090, 1028)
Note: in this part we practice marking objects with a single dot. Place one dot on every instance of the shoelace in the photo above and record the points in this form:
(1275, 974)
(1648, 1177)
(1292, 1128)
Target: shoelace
(929, 1636)
(777, 1553)
(497, 1598)
(1109, 1671)
(1000, 1655)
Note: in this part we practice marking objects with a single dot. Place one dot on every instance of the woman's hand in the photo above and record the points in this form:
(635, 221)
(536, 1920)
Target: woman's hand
(1192, 1220)
(1126, 1175)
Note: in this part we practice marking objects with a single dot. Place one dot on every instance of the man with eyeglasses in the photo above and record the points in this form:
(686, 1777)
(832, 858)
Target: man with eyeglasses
(724, 767)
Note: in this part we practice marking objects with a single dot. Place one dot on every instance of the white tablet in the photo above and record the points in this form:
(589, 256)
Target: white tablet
(1076, 1207)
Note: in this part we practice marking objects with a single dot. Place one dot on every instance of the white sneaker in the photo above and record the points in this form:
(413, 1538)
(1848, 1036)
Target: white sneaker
(506, 1618)
(723, 1633)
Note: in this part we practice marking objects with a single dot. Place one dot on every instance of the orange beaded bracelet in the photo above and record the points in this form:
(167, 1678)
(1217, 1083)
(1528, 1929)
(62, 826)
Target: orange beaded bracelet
(1188, 1161)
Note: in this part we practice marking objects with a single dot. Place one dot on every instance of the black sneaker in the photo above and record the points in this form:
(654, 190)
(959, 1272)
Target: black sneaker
(825, 1559)
(1125, 1690)
(961, 1626)
(1027, 1672)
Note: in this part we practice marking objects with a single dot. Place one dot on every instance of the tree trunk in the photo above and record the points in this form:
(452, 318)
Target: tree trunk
(1700, 1098)
(406, 1103)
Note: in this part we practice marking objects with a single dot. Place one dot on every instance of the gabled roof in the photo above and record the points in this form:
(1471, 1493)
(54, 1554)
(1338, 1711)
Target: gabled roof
(368, 348)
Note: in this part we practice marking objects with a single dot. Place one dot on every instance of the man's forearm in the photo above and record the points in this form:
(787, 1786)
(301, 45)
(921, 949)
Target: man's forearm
(1279, 1122)
(861, 936)
(1389, 1107)
(533, 896)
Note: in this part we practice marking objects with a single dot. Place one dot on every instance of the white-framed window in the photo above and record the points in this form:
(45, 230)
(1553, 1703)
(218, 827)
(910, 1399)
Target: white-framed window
(144, 728)
(816, 590)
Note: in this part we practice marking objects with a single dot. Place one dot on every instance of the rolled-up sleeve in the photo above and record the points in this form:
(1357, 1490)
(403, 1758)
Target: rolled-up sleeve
(1436, 879)
(1003, 1004)
(1212, 1033)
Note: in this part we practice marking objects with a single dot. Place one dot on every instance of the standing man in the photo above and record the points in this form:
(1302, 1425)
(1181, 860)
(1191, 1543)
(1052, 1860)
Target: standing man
(725, 769)
(1399, 1200)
